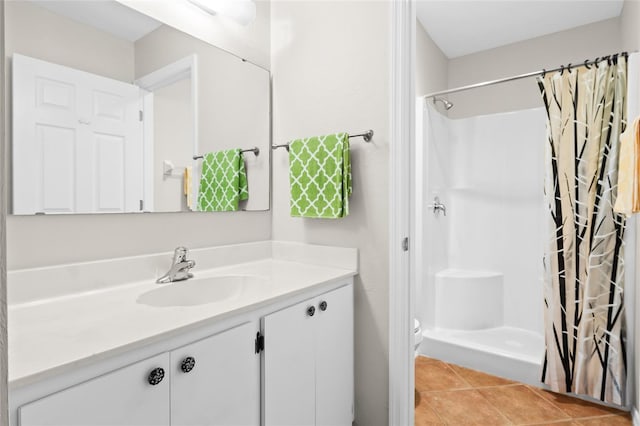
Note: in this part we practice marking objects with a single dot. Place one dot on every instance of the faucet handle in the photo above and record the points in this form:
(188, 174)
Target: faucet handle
(180, 254)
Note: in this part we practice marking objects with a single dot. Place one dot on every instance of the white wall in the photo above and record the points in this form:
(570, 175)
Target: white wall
(172, 141)
(546, 52)
(35, 241)
(251, 42)
(331, 73)
(629, 25)
(34, 31)
(432, 66)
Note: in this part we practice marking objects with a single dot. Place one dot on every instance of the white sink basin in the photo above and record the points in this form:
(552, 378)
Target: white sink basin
(202, 291)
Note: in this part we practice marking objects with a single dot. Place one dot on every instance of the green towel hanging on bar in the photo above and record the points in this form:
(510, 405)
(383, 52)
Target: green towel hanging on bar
(223, 182)
(320, 176)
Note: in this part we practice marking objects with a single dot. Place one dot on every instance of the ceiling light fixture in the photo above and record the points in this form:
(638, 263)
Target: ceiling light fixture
(241, 11)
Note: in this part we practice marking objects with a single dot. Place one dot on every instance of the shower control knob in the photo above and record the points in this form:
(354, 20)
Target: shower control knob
(437, 206)
(187, 364)
(311, 310)
(156, 376)
(323, 306)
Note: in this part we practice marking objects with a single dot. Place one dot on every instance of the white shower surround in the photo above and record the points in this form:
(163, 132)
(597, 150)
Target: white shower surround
(484, 259)
(477, 293)
(489, 172)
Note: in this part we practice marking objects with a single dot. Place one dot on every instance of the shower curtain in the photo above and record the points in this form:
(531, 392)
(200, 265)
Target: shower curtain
(584, 271)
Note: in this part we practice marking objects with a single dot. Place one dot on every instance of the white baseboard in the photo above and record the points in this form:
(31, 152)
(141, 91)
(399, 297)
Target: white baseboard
(635, 416)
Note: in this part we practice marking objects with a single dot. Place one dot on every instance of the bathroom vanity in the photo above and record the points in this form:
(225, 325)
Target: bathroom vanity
(263, 334)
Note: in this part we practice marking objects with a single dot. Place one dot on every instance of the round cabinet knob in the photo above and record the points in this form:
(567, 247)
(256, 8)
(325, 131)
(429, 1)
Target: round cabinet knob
(323, 306)
(311, 310)
(156, 376)
(187, 364)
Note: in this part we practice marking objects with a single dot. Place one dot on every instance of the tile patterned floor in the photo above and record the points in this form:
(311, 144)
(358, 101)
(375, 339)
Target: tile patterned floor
(447, 394)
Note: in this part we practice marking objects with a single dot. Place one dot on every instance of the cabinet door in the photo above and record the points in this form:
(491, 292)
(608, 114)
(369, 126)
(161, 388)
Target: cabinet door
(334, 358)
(289, 367)
(120, 398)
(223, 386)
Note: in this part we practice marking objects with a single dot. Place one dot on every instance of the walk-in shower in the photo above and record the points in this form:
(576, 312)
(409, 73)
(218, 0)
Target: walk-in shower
(479, 289)
(482, 287)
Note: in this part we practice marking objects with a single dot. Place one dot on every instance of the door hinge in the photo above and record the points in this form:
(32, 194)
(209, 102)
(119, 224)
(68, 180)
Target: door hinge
(259, 343)
(141, 205)
(405, 244)
(141, 115)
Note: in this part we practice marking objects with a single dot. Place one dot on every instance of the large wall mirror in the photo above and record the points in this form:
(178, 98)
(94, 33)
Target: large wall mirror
(112, 111)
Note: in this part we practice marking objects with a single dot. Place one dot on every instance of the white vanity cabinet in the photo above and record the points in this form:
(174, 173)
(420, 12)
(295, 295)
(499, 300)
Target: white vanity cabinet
(281, 363)
(121, 398)
(308, 362)
(216, 381)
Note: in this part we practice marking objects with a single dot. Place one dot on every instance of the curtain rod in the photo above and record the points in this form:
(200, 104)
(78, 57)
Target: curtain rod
(521, 76)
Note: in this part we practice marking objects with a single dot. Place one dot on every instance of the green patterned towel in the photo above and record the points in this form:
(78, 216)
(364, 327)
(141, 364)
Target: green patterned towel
(223, 182)
(320, 176)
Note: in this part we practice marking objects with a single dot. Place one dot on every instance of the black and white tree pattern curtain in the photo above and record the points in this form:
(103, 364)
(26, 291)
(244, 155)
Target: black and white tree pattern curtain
(584, 260)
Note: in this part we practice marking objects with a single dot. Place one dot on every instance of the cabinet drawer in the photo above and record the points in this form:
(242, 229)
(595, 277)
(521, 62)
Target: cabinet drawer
(123, 397)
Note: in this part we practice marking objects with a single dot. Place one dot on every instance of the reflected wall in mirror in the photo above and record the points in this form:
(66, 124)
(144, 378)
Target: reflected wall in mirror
(110, 108)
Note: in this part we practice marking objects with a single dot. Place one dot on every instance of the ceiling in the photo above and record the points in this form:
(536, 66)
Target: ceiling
(461, 27)
(106, 15)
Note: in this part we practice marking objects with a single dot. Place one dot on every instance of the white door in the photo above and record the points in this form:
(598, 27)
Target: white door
(77, 141)
(334, 358)
(121, 398)
(289, 367)
(219, 383)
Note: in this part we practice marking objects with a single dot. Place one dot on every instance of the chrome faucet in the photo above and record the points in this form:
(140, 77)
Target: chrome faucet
(437, 206)
(180, 267)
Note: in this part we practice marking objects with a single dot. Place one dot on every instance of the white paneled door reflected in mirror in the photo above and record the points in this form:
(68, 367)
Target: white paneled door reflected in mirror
(115, 112)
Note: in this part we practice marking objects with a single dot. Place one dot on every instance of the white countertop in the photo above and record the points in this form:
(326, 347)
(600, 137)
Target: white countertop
(48, 335)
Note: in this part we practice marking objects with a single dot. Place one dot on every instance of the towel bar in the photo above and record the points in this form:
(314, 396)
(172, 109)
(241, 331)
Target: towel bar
(255, 150)
(367, 136)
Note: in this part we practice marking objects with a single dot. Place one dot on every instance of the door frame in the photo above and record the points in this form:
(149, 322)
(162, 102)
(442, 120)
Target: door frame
(4, 199)
(401, 222)
(181, 69)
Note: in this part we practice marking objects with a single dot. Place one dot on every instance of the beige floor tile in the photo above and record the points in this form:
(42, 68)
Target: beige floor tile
(425, 414)
(478, 378)
(522, 405)
(575, 407)
(464, 407)
(454, 395)
(436, 376)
